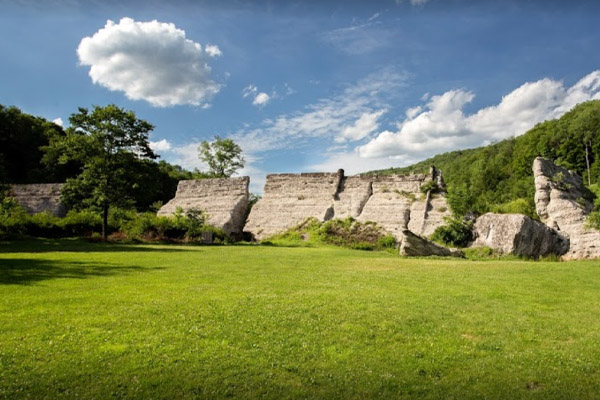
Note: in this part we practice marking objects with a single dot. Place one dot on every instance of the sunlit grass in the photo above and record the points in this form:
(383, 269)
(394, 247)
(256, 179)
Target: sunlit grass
(82, 320)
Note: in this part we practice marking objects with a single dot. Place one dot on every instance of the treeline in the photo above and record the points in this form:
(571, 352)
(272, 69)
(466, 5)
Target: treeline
(499, 177)
(27, 156)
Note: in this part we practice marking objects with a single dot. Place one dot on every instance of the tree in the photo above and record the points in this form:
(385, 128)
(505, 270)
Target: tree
(23, 138)
(106, 141)
(223, 156)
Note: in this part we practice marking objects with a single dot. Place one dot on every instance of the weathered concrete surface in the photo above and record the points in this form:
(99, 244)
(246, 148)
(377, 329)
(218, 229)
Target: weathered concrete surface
(40, 197)
(518, 234)
(224, 200)
(394, 202)
(414, 245)
(561, 204)
(289, 199)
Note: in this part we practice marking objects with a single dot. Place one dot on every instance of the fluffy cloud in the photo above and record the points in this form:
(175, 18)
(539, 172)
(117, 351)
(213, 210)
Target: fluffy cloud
(363, 127)
(58, 121)
(441, 124)
(151, 61)
(161, 145)
(261, 99)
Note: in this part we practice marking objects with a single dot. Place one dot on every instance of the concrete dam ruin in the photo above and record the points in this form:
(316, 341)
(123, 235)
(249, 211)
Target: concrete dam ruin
(394, 202)
(410, 207)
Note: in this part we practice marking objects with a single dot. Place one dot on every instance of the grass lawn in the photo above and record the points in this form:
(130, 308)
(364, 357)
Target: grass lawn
(82, 320)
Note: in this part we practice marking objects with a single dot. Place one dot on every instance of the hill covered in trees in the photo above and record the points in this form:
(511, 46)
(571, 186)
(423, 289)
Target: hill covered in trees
(499, 177)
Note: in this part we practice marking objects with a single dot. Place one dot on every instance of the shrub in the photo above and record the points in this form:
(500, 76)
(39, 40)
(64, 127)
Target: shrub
(593, 220)
(517, 206)
(338, 232)
(456, 233)
(81, 223)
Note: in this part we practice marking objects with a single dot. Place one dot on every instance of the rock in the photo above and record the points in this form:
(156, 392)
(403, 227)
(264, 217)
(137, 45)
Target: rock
(518, 234)
(40, 197)
(394, 202)
(562, 203)
(414, 245)
(224, 200)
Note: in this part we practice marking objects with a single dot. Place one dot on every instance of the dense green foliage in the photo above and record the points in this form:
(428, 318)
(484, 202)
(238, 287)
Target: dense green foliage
(498, 177)
(107, 142)
(23, 140)
(456, 233)
(99, 320)
(223, 156)
(347, 233)
(123, 224)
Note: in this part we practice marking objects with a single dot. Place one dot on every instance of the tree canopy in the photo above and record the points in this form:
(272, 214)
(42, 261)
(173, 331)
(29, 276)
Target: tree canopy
(108, 141)
(223, 156)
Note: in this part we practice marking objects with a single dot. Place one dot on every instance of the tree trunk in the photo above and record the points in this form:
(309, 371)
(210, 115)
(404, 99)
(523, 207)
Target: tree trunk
(105, 222)
(587, 160)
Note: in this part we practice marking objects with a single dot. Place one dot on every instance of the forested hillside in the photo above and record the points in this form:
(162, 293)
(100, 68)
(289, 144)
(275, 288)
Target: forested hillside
(499, 177)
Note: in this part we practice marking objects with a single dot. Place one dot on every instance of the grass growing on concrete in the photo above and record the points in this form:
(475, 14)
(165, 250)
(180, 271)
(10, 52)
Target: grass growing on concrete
(81, 320)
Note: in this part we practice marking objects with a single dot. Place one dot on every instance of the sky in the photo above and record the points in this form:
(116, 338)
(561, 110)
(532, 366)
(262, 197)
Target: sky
(305, 86)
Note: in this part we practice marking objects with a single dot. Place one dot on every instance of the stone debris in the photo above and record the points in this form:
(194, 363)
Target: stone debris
(395, 202)
(40, 197)
(561, 203)
(518, 234)
(414, 245)
(224, 200)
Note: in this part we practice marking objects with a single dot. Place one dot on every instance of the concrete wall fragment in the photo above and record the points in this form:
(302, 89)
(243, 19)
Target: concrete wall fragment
(561, 203)
(40, 197)
(224, 200)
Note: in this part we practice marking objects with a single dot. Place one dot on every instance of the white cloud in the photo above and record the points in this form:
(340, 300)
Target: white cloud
(151, 61)
(442, 126)
(261, 99)
(213, 50)
(418, 2)
(362, 127)
(360, 38)
(326, 118)
(352, 163)
(58, 121)
(161, 145)
(249, 90)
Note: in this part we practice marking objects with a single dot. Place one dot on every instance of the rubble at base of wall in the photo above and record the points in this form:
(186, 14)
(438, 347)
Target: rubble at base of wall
(519, 235)
(415, 246)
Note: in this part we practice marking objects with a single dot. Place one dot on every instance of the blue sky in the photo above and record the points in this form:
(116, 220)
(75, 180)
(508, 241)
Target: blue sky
(306, 86)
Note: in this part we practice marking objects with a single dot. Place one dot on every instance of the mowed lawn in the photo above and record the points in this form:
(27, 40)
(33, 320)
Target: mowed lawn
(81, 320)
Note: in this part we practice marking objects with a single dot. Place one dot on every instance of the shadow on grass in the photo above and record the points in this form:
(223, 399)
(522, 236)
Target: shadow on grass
(79, 245)
(14, 271)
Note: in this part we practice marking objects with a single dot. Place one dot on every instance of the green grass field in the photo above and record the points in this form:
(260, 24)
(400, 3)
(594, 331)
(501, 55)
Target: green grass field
(83, 320)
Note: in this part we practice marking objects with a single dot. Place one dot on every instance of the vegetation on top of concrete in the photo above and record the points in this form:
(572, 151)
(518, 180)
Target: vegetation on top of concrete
(348, 233)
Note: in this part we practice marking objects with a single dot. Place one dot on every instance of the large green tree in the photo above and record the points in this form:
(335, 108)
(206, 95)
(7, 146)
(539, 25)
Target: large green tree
(223, 156)
(108, 142)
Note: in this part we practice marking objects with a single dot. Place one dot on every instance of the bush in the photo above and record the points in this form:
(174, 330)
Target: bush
(455, 233)
(338, 232)
(517, 206)
(81, 223)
